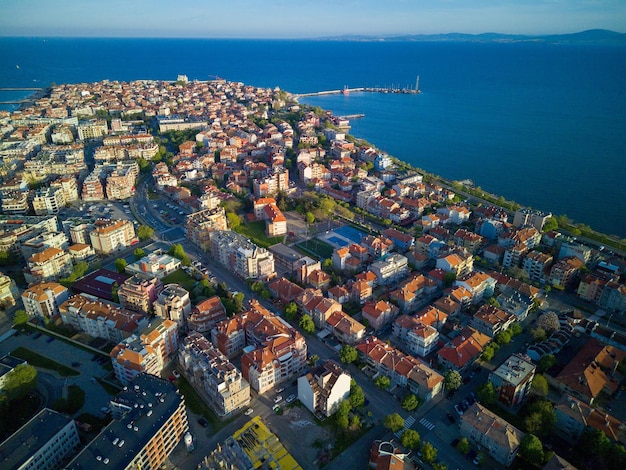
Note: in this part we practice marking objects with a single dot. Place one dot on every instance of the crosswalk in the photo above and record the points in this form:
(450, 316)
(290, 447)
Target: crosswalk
(408, 422)
(427, 424)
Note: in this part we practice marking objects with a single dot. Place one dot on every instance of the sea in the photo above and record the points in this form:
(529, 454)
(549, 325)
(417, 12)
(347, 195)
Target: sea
(541, 124)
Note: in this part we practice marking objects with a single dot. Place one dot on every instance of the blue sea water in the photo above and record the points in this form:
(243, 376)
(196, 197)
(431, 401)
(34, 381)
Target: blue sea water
(541, 124)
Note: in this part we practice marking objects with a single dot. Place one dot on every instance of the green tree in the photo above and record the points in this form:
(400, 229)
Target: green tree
(382, 382)
(291, 310)
(313, 360)
(493, 301)
(515, 329)
(309, 218)
(144, 232)
(410, 402)
(539, 334)
(539, 386)
(177, 251)
(502, 338)
(488, 353)
(394, 422)
(120, 265)
(486, 393)
(139, 253)
(342, 415)
(357, 397)
(545, 363)
(348, 354)
(551, 224)
(20, 381)
(439, 466)
(531, 450)
(410, 439)
(452, 380)
(448, 279)
(234, 221)
(429, 452)
(463, 446)
(8, 258)
(307, 324)
(541, 417)
(20, 317)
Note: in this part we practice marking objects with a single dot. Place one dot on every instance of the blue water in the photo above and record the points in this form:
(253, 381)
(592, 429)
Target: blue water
(543, 125)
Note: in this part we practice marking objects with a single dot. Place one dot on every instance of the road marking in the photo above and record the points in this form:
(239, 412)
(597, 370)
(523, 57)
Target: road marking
(427, 424)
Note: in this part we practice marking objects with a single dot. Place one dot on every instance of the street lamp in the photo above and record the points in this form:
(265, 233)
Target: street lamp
(609, 320)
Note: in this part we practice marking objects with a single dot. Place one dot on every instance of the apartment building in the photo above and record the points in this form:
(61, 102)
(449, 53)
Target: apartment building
(323, 388)
(92, 129)
(149, 420)
(43, 300)
(48, 201)
(345, 328)
(461, 352)
(379, 313)
(199, 225)
(109, 236)
(139, 292)
(213, 375)
(43, 443)
(155, 264)
(536, 265)
(491, 320)
(416, 336)
(50, 264)
(390, 270)
(92, 189)
(512, 379)
(527, 216)
(8, 291)
(276, 180)
(241, 256)
(479, 284)
(173, 303)
(206, 314)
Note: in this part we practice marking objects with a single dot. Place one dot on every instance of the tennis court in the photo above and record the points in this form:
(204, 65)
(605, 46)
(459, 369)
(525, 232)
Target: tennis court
(350, 233)
(337, 241)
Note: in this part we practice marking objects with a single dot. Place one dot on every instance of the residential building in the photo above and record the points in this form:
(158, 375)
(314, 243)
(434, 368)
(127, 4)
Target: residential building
(173, 303)
(42, 241)
(323, 388)
(8, 291)
(148, 352)
(379, 313)
(199, 225)
(479, 284)
(457, 262)
(43, 443)
(512, 379)
(391, 269)
(461, 352)
(405, 371)
(149, 420)
(320, 309)
(527, 216)
(48, 265)
(413, 293)
(48, 201)
(92, 129)
(495, 435)
(139, 292)
(110, 236)
(205, 315)
(155, 264)
(402, 241)
(275, 353)
(536, 265)
(417, 337)
(241, 256)
(345, 328)
(101, 319)
(43, 300)
(386, 456)
(565, 272)
(267, 210)
(491, 320)
(213, 375)
(571, 248)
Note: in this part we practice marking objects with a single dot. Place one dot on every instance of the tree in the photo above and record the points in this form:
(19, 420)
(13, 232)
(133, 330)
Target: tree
(291, 310)
(348, 354)
(139, 253)
(440, 466)
(120, 265)
(309, 218)
(410, 402)
(539, 334)
(357, 397)
(549, 321)
(382, 382)
(410, 439)
(342, 416)
(313, 360)
(539, 386)
(488, 353)
(541, 417)
(502, 338)
(493, 301)
(531, 450)
(20, 317)
(551, 224)
(545, 363)
(307, 324)
(452, 380)
(234, 221)
(463, 446)
(177, 251)
(448, 279)
(8, 258)
(429, 452)
(486, 393)
(515, 329)
(394, 422)
(20, 381)
(144, 232)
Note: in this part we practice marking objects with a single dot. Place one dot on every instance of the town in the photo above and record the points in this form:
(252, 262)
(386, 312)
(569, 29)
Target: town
(206, 274)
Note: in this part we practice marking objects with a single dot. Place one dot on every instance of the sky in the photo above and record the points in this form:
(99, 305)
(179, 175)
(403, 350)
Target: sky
(304, 18)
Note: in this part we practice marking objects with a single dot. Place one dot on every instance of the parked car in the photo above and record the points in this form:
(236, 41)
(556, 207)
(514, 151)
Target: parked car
(471, 454)
(279, 390)
(455, 442)
(291, 398)
(451, 418)
(458, 410)
(278, 399)
(249, 411)
(203, 422)
(176, 374)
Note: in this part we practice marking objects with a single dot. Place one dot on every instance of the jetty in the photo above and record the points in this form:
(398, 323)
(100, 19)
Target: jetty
(39, 93)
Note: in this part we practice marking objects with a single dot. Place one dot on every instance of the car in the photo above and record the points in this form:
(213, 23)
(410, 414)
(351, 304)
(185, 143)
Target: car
(203, 422)
(172, 378)
(176, 374)
(279, 390)
(455, 442)
(291, 398)
(476, 460)
(278, 399)
(38, 335)
(249, 411)
(93, 380)
(105, 410)
(458, 410)
(451, 418)
(50, 340)
(276, 408)
(471, 454)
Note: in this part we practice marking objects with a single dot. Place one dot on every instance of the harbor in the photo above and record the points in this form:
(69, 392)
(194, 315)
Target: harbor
(408, 90)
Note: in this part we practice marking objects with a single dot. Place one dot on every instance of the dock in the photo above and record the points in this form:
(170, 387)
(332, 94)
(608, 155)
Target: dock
(347, 91)
(39, 93)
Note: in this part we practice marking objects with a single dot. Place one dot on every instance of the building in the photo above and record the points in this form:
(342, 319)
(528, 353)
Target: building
(109, 236)
(386, 456)
(147, 352)
(206, 315)
(512, 379)
(43, 300)
(480, 285)
(155, 264)
(173, 303)
(92, 129)
(345, 328)
(241, 256)
(267, 210)
(379, 313)
(8, 291)
(491, 320)
(101, 319)
(323, 388)
(417, 337)
(391, 269)
(139, 292)
(199, 225)
(461, 352)
(275, 351)
(100, 283)
(536, 265)
(43, 443)
(405, 371)
(48, 201)
(495, 435)
(213, 375)
(51, 264)
(527, 216)
(149, 421)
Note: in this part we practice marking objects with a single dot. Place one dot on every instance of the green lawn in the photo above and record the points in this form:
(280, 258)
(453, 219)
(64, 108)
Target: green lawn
(37, 360)
(317, 247)
(255, 231)
(180, 277)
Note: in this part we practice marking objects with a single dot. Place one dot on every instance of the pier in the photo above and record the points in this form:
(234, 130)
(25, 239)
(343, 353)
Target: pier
(39, 93)
(347, 91)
